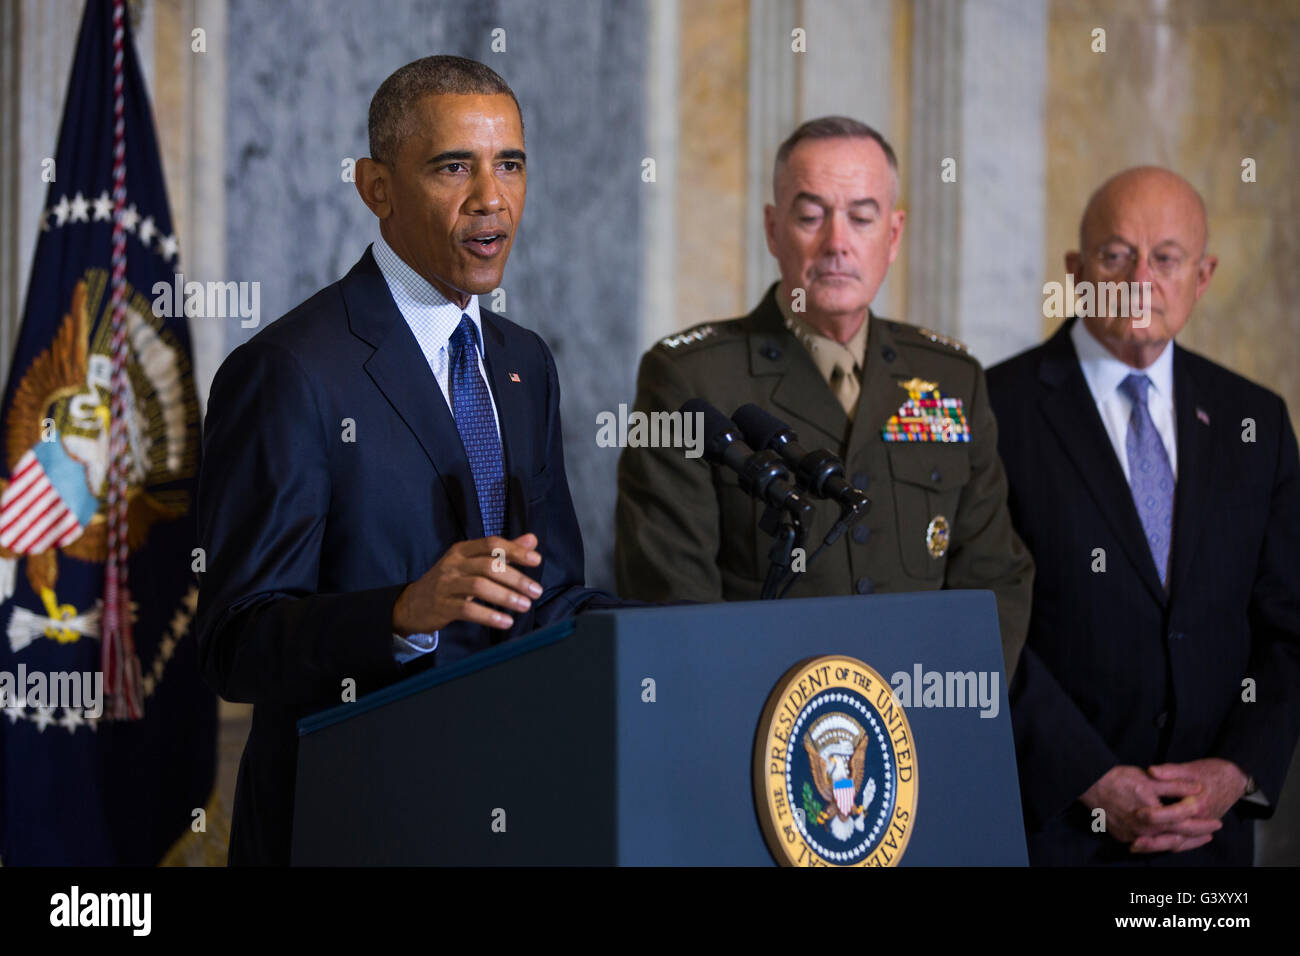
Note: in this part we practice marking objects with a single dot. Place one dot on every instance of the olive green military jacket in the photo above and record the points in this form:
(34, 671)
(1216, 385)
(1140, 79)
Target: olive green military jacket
(686, 531)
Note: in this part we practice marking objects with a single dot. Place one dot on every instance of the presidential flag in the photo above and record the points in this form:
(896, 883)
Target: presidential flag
(107, 733)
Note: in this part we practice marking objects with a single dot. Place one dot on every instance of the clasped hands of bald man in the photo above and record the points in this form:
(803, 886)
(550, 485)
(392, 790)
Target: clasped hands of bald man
(1201, 791)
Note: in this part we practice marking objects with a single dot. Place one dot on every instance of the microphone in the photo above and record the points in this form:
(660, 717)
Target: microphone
(819, 471)
(762, 474)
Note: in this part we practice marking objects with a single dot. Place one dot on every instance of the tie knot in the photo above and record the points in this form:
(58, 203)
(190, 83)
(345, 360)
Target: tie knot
(464, 337)
(1135, 388)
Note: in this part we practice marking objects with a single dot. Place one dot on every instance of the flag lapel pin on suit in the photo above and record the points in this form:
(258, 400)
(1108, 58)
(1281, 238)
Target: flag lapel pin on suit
(514, 376)
(1201, 416)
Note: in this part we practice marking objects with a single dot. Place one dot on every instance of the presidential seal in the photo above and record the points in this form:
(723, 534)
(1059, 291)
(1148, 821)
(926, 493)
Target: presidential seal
(835, 767)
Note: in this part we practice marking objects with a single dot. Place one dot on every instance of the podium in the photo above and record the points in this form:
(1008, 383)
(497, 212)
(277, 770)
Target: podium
(633, 737)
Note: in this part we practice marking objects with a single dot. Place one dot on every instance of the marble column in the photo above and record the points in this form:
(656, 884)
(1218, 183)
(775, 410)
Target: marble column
(979, 75)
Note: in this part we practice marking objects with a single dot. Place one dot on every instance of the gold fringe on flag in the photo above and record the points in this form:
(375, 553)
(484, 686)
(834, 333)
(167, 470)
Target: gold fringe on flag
(207, 848)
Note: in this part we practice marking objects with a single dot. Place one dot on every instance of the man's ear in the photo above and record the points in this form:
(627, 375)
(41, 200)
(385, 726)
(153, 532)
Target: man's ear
(1204, 271)
(1074, 265)
(769, 227)
(374, 184)
(897, 220)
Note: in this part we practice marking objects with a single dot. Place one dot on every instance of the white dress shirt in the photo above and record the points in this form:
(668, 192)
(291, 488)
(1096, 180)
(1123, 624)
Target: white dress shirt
(432, 318)
(1104, 373)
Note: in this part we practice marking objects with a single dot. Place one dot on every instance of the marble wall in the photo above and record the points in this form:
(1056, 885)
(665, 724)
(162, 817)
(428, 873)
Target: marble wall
(711, 199)
(298, 90)
(1196, 86)
(920, 71)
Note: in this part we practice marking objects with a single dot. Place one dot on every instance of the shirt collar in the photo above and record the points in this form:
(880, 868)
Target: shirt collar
(1104, 372)
(824, 349)
(427, 311)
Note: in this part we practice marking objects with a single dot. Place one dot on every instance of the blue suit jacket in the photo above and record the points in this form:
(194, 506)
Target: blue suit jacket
(1116, 670)
(333, 475)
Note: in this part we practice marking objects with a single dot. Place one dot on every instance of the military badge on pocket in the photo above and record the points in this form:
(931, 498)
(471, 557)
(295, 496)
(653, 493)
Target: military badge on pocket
(936, 536)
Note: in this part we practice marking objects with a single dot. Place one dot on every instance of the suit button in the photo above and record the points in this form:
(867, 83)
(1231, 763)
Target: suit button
(771, 353)
(865, 586)
(861, 533)
(1162, 718)
(889, 354)
(860, 481)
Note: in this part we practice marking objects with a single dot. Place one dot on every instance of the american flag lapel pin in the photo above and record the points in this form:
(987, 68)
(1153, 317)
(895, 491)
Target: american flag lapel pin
(514, 377)
(1201, 416)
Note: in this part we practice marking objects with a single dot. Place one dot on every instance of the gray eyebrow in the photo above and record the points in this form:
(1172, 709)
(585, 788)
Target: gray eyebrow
(820, 201)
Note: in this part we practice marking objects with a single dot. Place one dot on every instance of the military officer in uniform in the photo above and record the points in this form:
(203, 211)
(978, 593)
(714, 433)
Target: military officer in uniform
(906, 408)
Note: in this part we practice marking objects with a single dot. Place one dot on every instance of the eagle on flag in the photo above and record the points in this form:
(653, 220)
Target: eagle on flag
(101, 452)
(51, 502)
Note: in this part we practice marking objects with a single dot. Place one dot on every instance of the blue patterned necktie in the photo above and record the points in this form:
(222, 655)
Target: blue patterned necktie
(1149, 475)
(472, 407)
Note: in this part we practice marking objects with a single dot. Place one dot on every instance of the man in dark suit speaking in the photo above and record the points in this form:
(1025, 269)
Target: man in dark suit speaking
(383, 484)
(1156, 704)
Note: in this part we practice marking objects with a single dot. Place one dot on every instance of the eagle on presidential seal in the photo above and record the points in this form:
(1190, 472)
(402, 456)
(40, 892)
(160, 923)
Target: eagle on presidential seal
(837, 754)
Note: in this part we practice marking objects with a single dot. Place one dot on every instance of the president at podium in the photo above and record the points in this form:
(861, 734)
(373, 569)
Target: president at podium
(383, 484)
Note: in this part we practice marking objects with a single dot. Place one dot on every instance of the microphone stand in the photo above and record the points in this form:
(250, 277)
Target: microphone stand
(850, 514)
(790, 534)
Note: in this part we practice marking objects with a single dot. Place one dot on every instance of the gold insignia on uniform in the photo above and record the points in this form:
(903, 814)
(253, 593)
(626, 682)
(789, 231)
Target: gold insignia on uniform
(916, 386)
(689, 337)
(936, 536)
(942, 339)
(927, 416)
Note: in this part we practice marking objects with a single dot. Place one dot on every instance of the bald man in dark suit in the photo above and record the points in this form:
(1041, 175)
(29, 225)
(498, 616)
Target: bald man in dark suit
(1155, 708)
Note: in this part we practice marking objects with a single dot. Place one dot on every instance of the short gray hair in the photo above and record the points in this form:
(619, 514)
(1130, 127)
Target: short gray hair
(391, 106)
(834, 127)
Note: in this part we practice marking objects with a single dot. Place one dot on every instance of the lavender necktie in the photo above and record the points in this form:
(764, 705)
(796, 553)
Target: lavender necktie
(1150, 477)
(472, 408)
